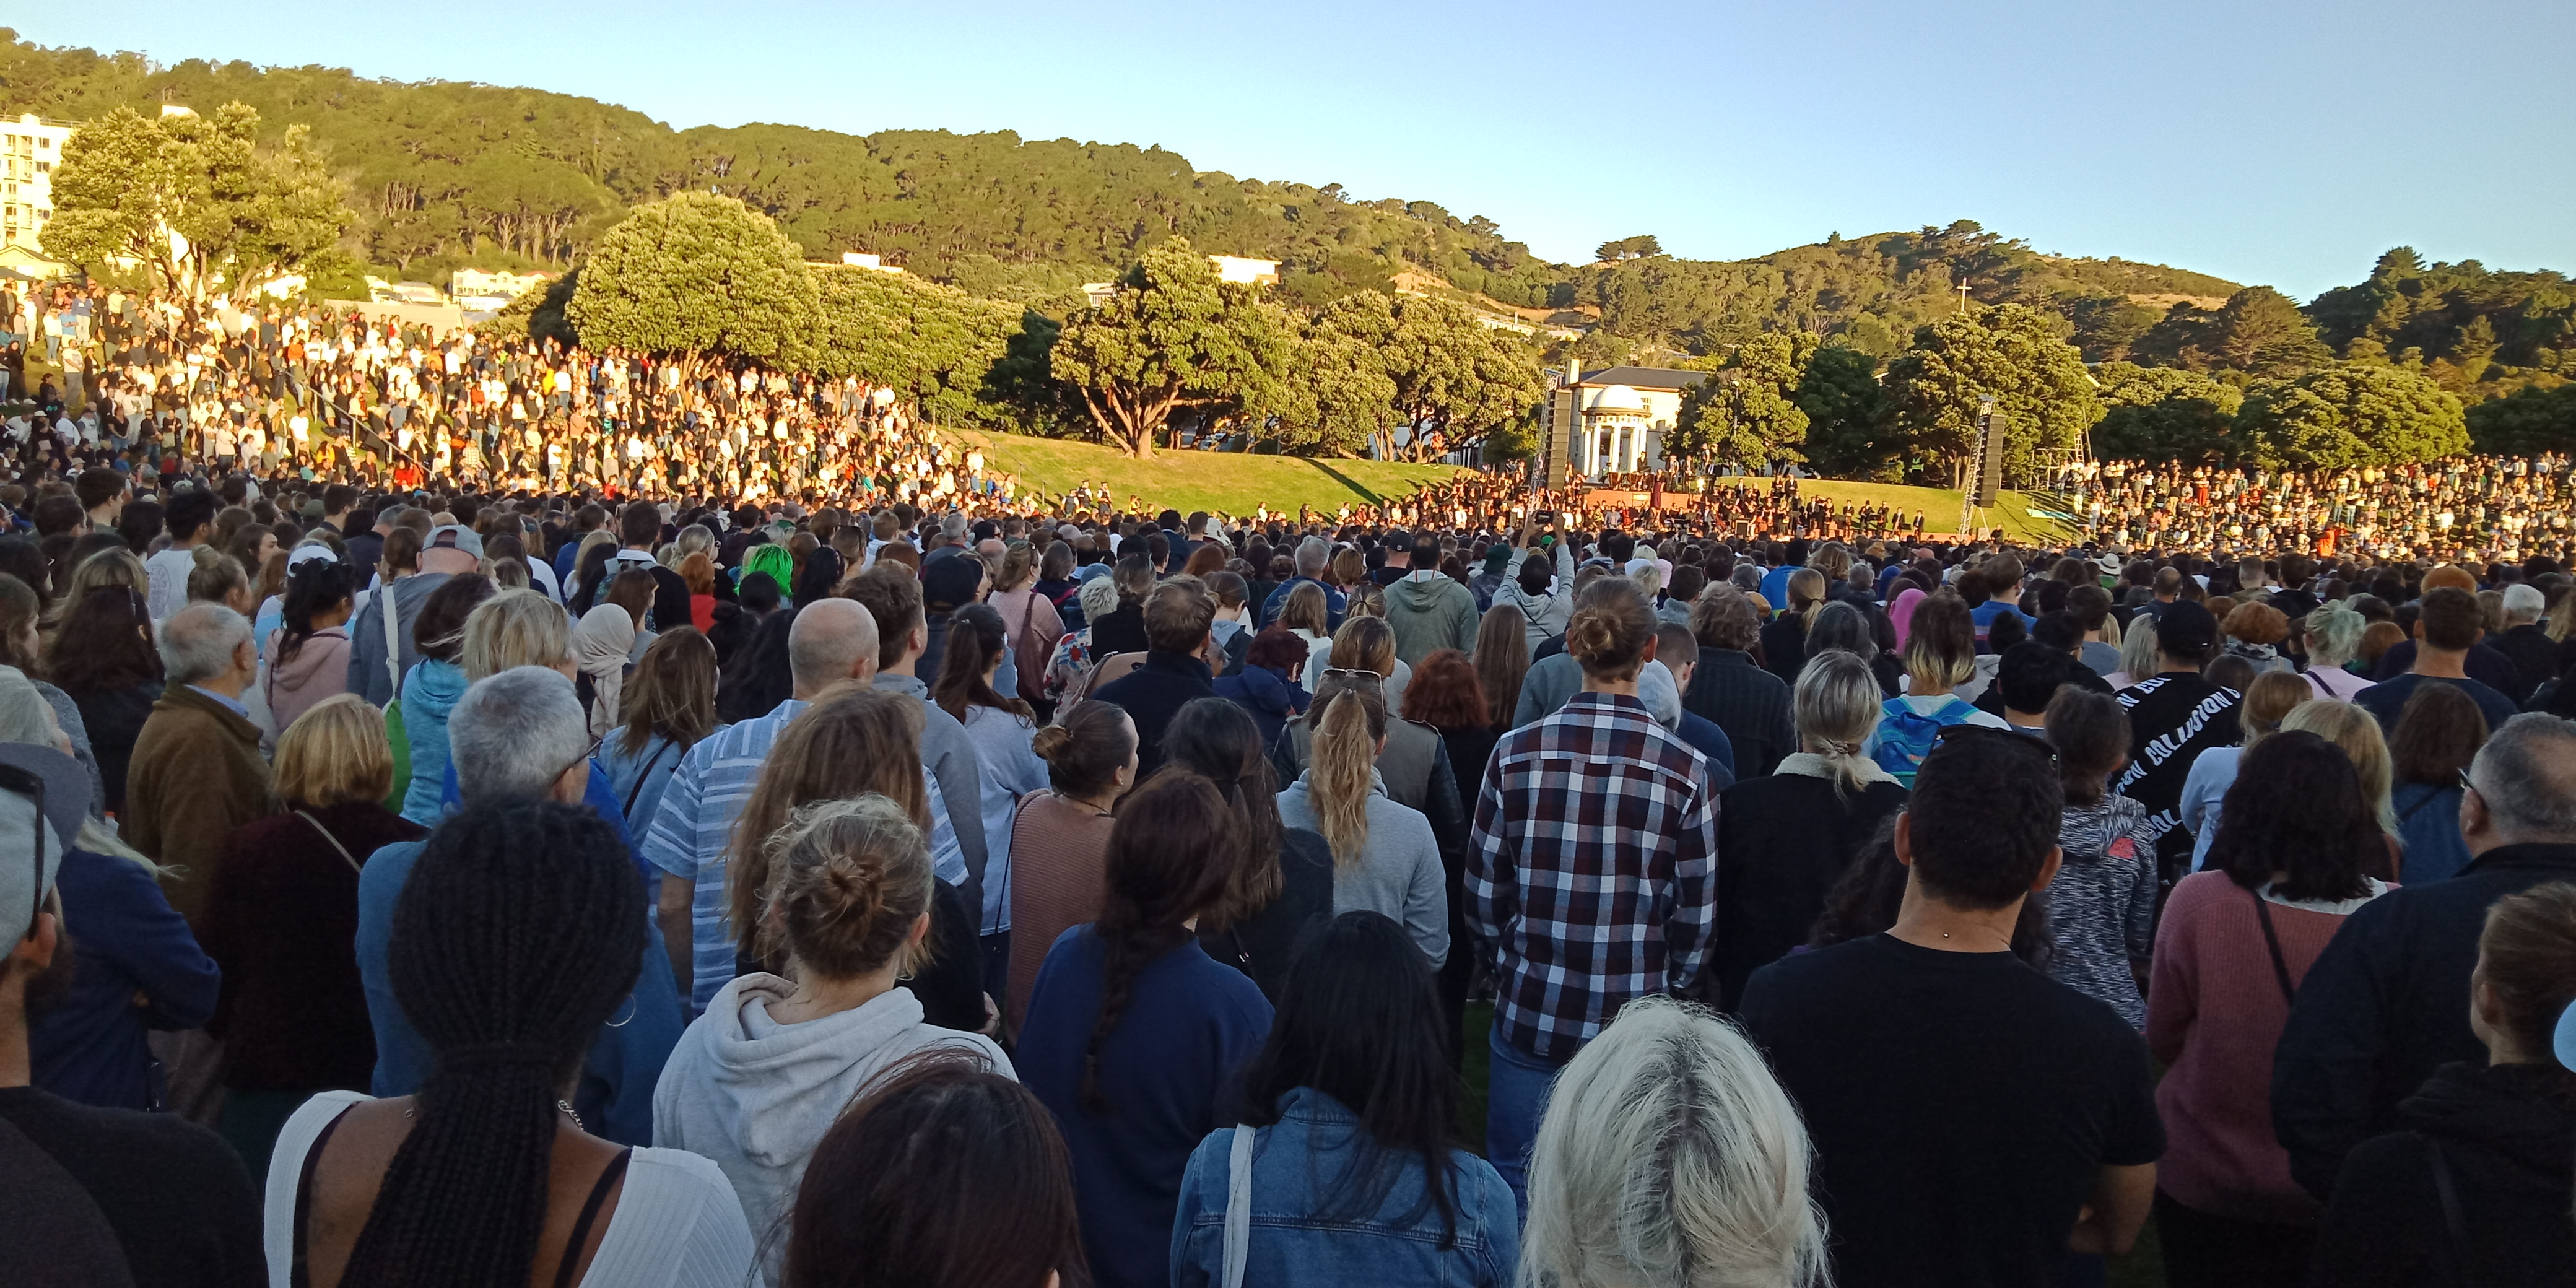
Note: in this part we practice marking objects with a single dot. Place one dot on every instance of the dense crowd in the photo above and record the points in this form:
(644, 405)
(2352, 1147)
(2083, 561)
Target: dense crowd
(2476, 508)
(458, 886)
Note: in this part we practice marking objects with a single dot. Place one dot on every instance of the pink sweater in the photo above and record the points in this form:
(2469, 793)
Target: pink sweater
(2214, 1014)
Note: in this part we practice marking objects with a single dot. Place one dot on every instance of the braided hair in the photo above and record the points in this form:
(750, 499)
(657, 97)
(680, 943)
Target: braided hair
(313, 586)
(518, 934)
(1171, 856)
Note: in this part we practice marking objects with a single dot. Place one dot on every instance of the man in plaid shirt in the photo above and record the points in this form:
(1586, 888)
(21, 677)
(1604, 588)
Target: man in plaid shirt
(1591, 873)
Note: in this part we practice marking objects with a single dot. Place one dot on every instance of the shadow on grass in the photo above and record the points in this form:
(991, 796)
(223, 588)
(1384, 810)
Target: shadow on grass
(1344, 479)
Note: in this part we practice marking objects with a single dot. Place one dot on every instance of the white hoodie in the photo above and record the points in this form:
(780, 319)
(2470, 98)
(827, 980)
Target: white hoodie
(756, 1096)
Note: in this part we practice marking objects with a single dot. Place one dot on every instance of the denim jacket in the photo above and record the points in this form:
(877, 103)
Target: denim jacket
(1295, 1165)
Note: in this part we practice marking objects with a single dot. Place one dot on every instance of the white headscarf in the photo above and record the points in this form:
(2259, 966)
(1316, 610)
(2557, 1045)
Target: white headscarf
(599, 646)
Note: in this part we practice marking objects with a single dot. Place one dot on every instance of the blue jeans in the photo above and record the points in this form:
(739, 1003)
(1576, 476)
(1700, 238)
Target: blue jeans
(1516, 1087)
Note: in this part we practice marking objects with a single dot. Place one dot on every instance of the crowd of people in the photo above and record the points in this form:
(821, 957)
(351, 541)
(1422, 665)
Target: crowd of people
(458, 851)
(2486, 506)
(451, 886)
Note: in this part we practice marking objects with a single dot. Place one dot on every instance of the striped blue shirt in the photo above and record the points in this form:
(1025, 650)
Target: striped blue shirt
(694, 828)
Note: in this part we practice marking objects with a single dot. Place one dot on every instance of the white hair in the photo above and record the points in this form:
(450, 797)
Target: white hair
(513, 734)
(200, 641)
(2524, 600)
(1312, 554)
(1670, 1158)
(1097, 603)
(2526, 773)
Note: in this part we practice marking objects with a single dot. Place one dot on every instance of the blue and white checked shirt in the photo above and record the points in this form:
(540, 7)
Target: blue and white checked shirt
(1591, 873)
(694, 829)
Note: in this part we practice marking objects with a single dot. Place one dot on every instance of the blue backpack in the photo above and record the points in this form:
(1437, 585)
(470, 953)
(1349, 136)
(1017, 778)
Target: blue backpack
(1906, 736)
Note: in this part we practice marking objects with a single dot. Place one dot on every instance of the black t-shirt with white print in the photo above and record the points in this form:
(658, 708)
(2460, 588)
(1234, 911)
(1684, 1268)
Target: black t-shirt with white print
(2172, 719)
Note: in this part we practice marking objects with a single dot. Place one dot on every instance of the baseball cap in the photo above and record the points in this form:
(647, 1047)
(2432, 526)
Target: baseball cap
(451, 548)
(2185, 627)
(32, 844)
(951, 583)
(307, 553)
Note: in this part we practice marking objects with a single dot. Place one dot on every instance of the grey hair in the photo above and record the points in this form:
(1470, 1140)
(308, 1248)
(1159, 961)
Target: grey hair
(1837, 701)
(1840, 625)
(1669, 1157)
(953, 524)
(825, 643)
(2527, 775)
(2334, 634)
(2524, 600)
(513, 734)
(200, 641)
(1312, 554)
(1098, 597)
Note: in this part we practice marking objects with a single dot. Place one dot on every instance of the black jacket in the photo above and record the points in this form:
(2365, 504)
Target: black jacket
(1122, 631)
(1750, 704)
(1782, 842)
(2534, 656)
(1784, 646)
(2504, 1138)
(1152, 694)
(2386, 1004)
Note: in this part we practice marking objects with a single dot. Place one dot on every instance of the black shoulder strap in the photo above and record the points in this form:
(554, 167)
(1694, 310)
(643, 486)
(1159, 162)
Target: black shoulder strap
(608, 1179)
(643, 776)
(2272, 941)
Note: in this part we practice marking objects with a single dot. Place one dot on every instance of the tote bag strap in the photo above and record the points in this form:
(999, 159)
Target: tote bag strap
(1238, 1207)
(393, 641)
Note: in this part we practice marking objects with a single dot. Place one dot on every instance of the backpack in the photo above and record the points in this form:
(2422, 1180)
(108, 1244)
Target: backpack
(1905, 736)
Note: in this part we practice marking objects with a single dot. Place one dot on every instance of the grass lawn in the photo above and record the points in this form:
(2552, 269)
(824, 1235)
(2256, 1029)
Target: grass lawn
(1236, 484)
(1224, 482)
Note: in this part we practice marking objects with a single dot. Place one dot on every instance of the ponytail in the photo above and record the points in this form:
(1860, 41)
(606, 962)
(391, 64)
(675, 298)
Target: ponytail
(1837, 705)
(1807, 596)
(312, 586)
(1339, 769)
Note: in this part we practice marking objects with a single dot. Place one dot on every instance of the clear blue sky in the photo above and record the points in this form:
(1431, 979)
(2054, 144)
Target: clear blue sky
(2281, 141)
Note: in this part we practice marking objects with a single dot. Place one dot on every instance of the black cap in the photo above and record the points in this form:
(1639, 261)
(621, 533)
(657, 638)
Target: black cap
(2185, 628)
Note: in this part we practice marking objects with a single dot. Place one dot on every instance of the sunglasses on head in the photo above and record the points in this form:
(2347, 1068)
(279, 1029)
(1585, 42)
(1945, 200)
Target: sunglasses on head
(1969, 732)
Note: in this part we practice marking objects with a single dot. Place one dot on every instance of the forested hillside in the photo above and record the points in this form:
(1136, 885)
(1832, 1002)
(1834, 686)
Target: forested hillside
(442, 174)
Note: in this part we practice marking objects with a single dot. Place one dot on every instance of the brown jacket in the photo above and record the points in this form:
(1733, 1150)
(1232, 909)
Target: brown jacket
(196, 775)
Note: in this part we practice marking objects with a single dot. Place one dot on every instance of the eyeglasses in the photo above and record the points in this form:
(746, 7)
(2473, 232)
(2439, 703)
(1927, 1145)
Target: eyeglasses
(2466, 784)
(576, 761)
(1354, 674)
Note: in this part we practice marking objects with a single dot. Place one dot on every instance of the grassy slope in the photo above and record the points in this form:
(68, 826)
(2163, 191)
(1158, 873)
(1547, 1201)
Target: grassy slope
(1235, 484)
(1226, 483)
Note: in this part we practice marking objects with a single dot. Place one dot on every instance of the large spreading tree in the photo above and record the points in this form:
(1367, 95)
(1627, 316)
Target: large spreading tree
(698, 277)
(2042, 397)
(194, 199)
(933, 345)
(1748, 410)
(2352, 414)
(1171, 336)
(2165, 414)
(1455, 379)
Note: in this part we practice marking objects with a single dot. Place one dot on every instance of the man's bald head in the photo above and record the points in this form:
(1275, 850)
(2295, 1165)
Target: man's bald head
(831, 640)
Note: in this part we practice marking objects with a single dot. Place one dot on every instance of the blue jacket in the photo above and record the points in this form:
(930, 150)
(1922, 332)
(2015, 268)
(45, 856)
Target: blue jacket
(1302, 1235)
(615, 1098)
(126, 940)
(1271, 698)
(429, 693)
(1168, 1069)
(1705, 736)
(1333, 601)
(2428, 820)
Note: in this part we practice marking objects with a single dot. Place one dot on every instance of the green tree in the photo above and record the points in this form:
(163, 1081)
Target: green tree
(1171, 336)
(1455, 379)
(1748, 410)
(931, 344)
(1341, 400)
(2164, 414)
(1637, 247)
(697, 276)
(2475, 350)
(538, 313)
(2260, 331)
(1024, 380)
(1847, 424)
(2352, 414)
(2526, 422)
(2042, 397)
(195, 199)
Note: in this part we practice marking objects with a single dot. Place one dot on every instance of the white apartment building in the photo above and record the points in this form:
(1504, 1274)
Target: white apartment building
(30, 148)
